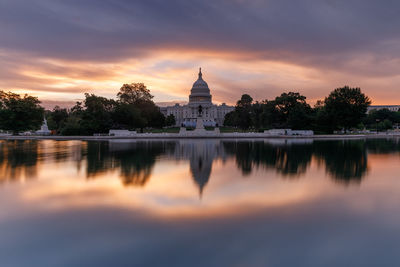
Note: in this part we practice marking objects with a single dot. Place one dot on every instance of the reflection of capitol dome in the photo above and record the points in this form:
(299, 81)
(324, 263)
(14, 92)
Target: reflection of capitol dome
(201, 171)
(201, 154)
(200, 91)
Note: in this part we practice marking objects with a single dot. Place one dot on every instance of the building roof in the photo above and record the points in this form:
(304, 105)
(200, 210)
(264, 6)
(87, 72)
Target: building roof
(200, 87)
(384, 106)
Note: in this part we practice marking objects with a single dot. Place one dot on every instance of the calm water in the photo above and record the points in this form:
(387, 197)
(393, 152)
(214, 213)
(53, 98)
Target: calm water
(200, 203)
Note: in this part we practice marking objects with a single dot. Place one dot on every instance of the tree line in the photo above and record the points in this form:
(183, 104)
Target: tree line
(133, 109)
(344, 109)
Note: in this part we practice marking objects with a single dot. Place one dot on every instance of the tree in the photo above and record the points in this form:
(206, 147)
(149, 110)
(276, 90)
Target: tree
(245, 101)
(231, 119)
(94, 115)
(134, 93)
(269, 115)
(381, 115)
(73, 126)
(345, 107)
(127, 116)
(18, 114)
(323, 123)
(293, 111)
(137, 95)
(155, 118)
(170, 120)
(56, 118)
(243, 110)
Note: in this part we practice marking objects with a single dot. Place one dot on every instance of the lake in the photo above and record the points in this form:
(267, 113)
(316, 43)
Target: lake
(200, 203)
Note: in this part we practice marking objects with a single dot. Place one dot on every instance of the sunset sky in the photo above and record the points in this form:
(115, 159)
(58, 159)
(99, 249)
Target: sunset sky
(58, 50)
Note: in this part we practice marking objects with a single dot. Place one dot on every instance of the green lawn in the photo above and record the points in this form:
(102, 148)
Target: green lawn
(233, 130)
(164, 130)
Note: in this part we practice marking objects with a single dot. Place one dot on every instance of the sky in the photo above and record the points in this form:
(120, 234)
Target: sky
(57, 50)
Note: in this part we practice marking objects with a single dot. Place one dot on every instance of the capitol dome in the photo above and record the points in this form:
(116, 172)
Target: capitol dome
(200, 91)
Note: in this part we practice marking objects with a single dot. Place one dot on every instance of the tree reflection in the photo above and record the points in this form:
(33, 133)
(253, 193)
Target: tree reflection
(383, 146)
(344, 160)
(288, 159)
(18, 160)
(134, 160)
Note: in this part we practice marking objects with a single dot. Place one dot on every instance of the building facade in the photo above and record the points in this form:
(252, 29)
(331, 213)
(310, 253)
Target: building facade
(395, 108)
(200, 106)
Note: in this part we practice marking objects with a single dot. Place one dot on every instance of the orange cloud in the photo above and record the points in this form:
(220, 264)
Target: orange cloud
(169, 75)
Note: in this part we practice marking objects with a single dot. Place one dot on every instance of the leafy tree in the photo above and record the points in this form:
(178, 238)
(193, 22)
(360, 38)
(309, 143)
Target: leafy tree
(245, 102)
(293, 111)
(289, 110)
(137, 95)
(323, 123)
(243, 109)
(256, 111)
(73, 126)
(94, 115)
(151, 113)
(379, 116)
(127, 116)
(155, 118)
(231, 119)
(345, 107)
(170, 120)
(134, 93)
(269, 115)
(18, 114)
(385, 125)
(56, 118)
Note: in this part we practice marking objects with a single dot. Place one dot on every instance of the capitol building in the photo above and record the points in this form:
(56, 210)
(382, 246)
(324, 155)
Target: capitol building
(200, 106)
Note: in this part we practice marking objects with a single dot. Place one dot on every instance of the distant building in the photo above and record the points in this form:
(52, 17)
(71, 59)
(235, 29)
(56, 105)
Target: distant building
(200, 104)
(389, 107)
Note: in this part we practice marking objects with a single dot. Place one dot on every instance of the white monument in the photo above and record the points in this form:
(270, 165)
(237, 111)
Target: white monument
(44, 129)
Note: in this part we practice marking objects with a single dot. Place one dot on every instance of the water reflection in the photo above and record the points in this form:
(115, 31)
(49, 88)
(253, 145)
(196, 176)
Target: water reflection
(264, 203)
(134, 160)
(345, 161)
(18, 160)
(201, 156)
(288, 157)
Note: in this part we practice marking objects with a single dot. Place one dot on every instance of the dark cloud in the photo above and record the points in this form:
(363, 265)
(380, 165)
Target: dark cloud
(106, 29)
(356, 40)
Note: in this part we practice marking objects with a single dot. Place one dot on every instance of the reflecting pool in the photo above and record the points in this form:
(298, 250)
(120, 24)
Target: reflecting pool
(200, 203)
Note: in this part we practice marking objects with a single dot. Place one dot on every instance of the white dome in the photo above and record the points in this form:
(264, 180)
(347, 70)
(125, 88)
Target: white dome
(200, 91)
